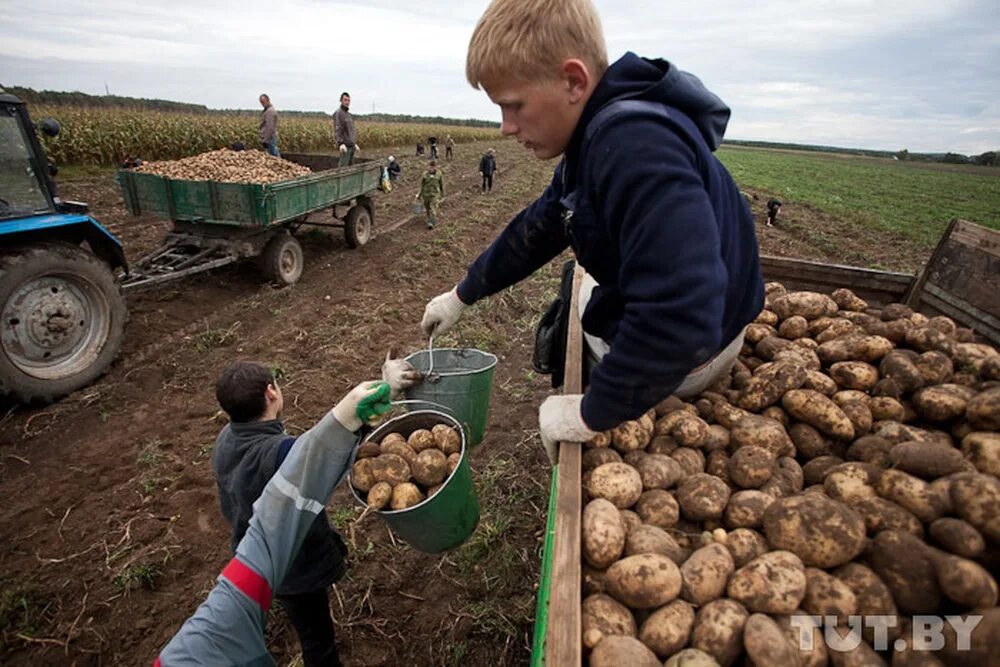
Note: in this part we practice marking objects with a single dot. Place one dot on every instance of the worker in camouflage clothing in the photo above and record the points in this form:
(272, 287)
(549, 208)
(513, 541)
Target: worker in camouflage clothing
(431, 192)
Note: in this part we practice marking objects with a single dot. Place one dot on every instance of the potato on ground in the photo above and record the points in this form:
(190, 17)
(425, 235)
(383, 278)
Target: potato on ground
(705, 573)
(606, 615)
(774, 583)
(983, 451)
(658, 508)
(420, 440)
(430, 467)
(616, 651)
(644, 581)
(643, 539)
(603, 533)
(405, 495)
(822, 532)
(902, 562)
(983, 411)
(668, 629)
(818, 411)
(746, 509)
(703, 497)
(976, 498)
(618, 482)
(718, 630)
(766, 643)
(379, 495)
(446, 439)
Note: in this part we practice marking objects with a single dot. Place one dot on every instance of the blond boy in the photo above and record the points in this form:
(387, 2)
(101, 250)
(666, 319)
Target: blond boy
(648, 210)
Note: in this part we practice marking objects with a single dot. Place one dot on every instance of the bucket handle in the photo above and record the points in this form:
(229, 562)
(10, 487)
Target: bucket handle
(444, 408)
(430, 375)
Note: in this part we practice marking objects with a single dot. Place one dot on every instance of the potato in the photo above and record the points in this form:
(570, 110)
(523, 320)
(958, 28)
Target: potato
(845, 396)
(593, 458)
(910, 493)
(405, 495)
(818, 411)
(599, 441)
(809, 442)
(745, 544)
(392, 437)
(629, 436)
(837, 328)
(871, 449)
(361, 475)
(899, 366)
(766, 644)
(603, 533)
(658, 471)
(658, 508)
(926, 459)
(618, 482)
(645, 539)
(430, 467)
(432, 490)
(634, 457)
(368, 450)
(976, 498)
(886, 407)
(958, 537)
(860, 416)
(902, 562)
(666, 406)
(746, 509)
(983, 411)
(828, 596)
(644, 581)
(691, 657)
(774, 583)
(766, 317)
(777, 414)
(851, 482)
(787, 479)
(726, 415)
(615, 651)
(854, 347)
(705, 573)
(816, 470)
(822, 532)
(964, 581)
(934, 367)
(593, 580)
(768, 347)
(860, 654)
(983, 451)
(854, 375)
(816, 655)
(718, 630)
(794, 327)
(924, 339)
(668, 629)
(446, 439)
(702, 497)
(990, 369)
(768, 386)
(390, 468)
(420, 440)
(880, 514)
(750, 467)
(982, 649)
(808, 305)
(807, 343)
(606, 615)
(872, 596)
(629, 519)
(691, 461)
(820, 382)
(454, 460)
(718, 438)
(758, 431)
(800, 355)
(379, 495)
(940, 403)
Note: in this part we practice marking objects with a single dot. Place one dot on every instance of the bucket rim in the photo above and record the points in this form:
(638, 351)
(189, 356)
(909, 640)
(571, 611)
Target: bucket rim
(381, 430)
(489, 355)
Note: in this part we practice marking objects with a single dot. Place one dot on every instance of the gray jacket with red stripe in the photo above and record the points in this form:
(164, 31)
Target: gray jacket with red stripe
(228, 627)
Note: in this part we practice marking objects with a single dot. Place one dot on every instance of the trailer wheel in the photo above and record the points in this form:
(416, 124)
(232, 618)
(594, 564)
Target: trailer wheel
(282, 259)
(62, 320)
(357, 226)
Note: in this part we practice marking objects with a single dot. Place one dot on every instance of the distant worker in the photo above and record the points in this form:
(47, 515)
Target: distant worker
(343, 131)
(420, 149)
(433, 142)
(773, 206)
(395, 171)
(488, 167)
(449, 146)
(269, 126)
(431, 192)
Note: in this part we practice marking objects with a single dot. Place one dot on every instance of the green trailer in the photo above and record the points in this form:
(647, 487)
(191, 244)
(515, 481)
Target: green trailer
(219, 223)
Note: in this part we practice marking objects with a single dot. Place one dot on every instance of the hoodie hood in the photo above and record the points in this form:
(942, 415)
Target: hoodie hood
(632, 77)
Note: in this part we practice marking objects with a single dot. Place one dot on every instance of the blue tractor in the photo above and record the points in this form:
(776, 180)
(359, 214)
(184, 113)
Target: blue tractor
(62, 312)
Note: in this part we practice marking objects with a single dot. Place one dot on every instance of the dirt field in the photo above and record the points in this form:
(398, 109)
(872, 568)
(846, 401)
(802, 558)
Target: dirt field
(112, 533)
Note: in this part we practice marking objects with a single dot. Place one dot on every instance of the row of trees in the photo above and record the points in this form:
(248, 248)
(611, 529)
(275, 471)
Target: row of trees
(987, 159)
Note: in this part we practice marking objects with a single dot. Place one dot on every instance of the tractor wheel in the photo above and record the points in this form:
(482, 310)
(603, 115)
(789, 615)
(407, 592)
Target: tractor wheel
(62, 320)
(357, 226)
(282, 259)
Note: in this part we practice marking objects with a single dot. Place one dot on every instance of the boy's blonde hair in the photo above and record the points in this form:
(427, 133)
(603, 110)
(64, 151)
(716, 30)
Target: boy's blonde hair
(528, 40)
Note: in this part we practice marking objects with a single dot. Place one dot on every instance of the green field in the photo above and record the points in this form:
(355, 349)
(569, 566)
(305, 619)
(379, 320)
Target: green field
(914, 200)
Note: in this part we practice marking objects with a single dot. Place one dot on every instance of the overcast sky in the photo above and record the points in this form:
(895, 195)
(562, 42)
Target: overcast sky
(888, 74)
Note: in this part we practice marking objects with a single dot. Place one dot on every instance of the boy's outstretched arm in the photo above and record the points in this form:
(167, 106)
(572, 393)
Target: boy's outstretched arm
(228, 628)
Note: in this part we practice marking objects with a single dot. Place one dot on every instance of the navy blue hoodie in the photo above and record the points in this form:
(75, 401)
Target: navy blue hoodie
(658, 222)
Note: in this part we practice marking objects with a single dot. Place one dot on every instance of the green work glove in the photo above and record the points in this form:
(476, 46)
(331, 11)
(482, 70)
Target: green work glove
(363, 404)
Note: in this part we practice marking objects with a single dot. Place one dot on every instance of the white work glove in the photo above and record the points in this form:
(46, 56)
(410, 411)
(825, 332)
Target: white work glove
(442, 312)
(357, 148)
(400, 374)
(559, 420)
(343, 148)
(363, 404)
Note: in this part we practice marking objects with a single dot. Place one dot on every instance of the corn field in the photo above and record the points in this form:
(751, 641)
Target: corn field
(106, 136)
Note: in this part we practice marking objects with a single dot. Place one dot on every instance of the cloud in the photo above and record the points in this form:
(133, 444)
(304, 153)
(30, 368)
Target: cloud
(921, 74)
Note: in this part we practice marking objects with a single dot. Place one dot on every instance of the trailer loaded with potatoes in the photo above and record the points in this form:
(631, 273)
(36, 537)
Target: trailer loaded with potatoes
(229, 205)
(847, 471)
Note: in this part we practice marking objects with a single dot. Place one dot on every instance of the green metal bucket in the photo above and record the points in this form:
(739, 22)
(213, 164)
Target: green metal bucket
(461, 380)
(449, 517)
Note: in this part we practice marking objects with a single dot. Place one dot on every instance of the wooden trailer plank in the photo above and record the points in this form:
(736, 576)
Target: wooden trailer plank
(878, 287)
(564, 644)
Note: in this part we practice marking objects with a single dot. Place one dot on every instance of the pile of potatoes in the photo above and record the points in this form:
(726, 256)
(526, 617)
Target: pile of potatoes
(400, 472)
(227, 166)
(848, 465)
